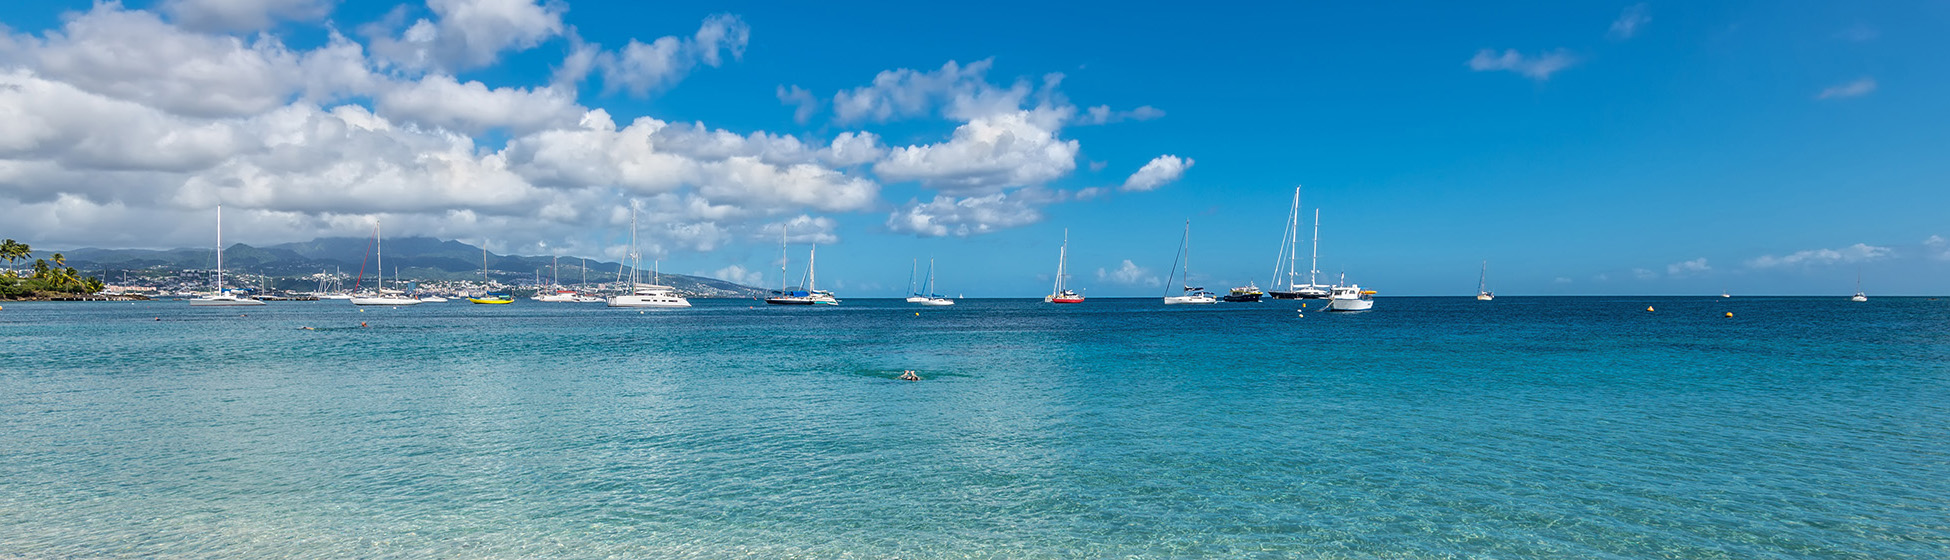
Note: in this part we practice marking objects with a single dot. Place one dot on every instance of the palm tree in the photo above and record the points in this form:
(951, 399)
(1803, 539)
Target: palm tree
(12, 251)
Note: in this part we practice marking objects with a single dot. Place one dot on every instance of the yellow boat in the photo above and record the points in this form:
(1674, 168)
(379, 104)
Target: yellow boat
(496, 298)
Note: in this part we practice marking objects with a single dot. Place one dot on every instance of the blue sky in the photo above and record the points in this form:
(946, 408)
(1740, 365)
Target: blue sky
(1581, 148)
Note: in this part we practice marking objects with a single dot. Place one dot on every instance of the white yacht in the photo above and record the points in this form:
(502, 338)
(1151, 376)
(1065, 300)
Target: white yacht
(1482, 284)
(222, 297)
(1349, 297)
(933, 299)
(1191, 295)
(382, 296)
(644, 295)
(913, 293)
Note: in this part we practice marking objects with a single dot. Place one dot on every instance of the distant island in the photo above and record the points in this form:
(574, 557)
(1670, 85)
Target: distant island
(51, 278)
(341, 263)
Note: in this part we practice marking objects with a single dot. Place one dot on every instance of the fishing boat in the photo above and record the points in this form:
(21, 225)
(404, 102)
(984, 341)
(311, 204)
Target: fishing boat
(1247, 293)
(645, 295)
(1190, 294)
(913, 292)
(1062, 293)
(1289, 255)
(1482, 284)
(933, 299)
(222, 297)
(1349, 297)
(382, 296)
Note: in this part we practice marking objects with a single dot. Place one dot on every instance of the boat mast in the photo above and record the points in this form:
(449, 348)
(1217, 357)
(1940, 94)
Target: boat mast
(812, 271)
(1482, 282)
(1858, 281)
(783, 257)
(1062, 254)
(1293, 240)
(379, 247)
(930, 277)
(1188, 255)
(484, 274)
(636, 260)
(910, 274)
(1313, 269)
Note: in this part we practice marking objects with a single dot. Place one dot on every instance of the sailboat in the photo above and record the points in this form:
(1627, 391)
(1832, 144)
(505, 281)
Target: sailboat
(222, 297)
(380, 297)
(809, 296)
(1190, 294)
(934, 299)
(489, 297)
(645, 295)
(1482, 284)
(1290, 249)
(1061, 293)
(913, 295)
(559, 294)
(1859, 295)
(583, 296)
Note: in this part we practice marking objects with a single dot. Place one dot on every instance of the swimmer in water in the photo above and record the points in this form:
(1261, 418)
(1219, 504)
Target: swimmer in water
(909, 375)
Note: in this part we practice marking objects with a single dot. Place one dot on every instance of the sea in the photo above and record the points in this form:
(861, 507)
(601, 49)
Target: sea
(1440, 428)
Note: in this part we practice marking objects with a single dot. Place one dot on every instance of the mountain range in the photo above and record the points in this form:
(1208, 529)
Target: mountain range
(411, 258)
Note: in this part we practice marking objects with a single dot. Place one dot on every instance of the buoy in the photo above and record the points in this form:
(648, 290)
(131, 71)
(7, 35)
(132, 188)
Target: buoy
(917, 314)
(362, 323)
(159, 318)
(1729, 313)
(1648, 309)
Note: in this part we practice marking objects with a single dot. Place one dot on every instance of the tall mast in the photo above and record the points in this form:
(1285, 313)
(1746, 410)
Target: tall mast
(484, 274)
(910, 273)
(1483, 282)
(812, 270)
(636, 260)
(783, 278)
(379, 246)
(930, 276)
(1062, 254)
(220, 252)
(1293, 240)
(1313, 269)
(1188, 254)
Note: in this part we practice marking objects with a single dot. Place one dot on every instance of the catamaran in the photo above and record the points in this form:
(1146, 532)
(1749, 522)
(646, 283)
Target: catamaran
(1290, 249)
(645, 295)
(380, 296)
(1483, 284)
(1190, 294)
(1061, 293)
(222, 297)
(933, 299)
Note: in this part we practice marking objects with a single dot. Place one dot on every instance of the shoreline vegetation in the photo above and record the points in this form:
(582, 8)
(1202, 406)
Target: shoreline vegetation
(51, 279)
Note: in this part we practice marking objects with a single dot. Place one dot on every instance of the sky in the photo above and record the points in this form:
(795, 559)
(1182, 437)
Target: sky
(1751, 147)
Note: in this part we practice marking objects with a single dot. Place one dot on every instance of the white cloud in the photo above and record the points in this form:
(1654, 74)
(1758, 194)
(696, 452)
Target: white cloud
(962, 217)
(468, 34)
(1859, 252)
(1644, 274)
(439, 100)
(1129, 274)
(738, 275)
(1938, 247)
(802, 229)
(1102, 114)
(641, 68)
(1157, 173)
(1686, 268)
(1539, 67)
(905, 93)
(987, 154)
(805, 105)
(244, 15)
(1629, 21)
(1857, 88)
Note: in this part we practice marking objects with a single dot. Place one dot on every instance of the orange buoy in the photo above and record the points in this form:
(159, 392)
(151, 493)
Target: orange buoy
(1648, 309)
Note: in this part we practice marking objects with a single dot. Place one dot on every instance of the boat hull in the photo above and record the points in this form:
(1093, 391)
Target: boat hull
(649, 301)
(1342, 304)
(937, 302)
(1063, 300)
(486, 301)
(1241, 298)
(225, 302)
(1485, 297)
(384, 301)
(917, 299)
(1189, 300)
(1297, 295)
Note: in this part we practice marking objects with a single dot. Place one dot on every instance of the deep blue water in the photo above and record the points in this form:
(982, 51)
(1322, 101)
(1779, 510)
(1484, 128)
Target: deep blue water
(1429, 428)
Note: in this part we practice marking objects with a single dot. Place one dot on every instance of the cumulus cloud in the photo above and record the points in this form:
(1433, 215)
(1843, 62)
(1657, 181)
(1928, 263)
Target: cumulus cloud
(1629, 21)
(1538, 67)
(1102, 114)
(1158, 172)
(987, 154)
(1129, 274)
(244, 15)
(906, 93)
(439, 100)
(1857, 88)
(1938, 247)
(805, 105)
(468, 34)
(737, 274)
(641, 68)
(1686, 268)
(946, 215)
(1859, 252)
(802, 229)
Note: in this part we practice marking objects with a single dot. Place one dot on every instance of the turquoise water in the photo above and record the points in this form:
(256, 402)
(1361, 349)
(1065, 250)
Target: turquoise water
(1430, 428)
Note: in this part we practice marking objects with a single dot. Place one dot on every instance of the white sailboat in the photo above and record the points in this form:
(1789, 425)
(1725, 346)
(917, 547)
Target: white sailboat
(1061, 293)
(812, 295)
(933, 299)
(1349, 297)
(1289, 255)
(913, 295)
(556, 293)
(222, 297)
(1859, 295)
(645, 295)
(1190, 295)
(380, 296)
(1482, 284)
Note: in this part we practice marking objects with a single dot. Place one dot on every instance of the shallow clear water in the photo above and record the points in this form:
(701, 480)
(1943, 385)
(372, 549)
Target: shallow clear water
(1429, 428)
